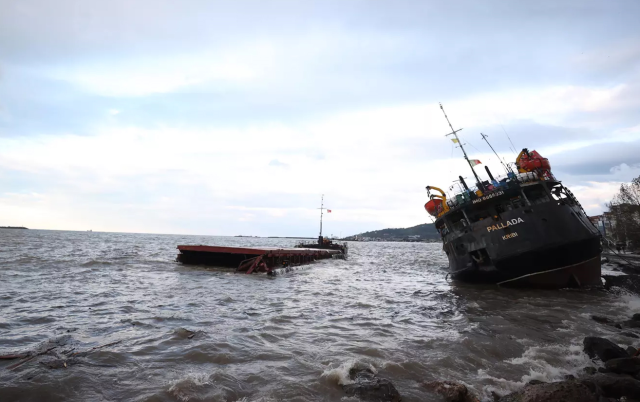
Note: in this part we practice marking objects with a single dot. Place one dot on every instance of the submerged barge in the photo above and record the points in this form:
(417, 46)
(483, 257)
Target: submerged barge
(523, 229)
(251, 259)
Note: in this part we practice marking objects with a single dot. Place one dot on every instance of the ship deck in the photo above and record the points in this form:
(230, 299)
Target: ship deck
(251, 259)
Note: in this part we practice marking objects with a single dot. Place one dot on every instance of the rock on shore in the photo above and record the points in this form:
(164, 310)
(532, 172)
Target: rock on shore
(451, 391)
(565, 391)
(368, 387)
(602, 348)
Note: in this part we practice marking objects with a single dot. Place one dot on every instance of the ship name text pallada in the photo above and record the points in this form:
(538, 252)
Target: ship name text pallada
(510, 222)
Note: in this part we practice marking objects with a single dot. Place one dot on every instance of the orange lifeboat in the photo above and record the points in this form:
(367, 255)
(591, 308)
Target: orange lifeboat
(531, 161)
(434, 207)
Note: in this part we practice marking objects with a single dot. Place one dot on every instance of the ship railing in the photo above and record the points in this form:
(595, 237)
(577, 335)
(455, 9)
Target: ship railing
(500, 183)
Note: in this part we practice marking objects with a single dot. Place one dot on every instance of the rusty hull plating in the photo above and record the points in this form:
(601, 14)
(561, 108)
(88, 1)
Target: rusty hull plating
(251, 259)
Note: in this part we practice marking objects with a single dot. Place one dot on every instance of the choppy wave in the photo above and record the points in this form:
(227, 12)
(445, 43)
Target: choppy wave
(192, 334)
(340, 375)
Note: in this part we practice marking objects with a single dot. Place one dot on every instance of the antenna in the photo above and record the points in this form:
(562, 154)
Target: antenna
(459, 185)
(454, 133)
(513, 147)
(484, 137)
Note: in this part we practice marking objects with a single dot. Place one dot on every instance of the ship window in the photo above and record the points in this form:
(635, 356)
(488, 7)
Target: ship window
(508, 205)
(516, 202)
(559, 193)
(441, 228)
(536, 194)
(457, 221)
(479, 215)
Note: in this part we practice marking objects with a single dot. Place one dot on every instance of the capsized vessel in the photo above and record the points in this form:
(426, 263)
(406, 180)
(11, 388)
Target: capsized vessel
(523, 229)
(325, 243)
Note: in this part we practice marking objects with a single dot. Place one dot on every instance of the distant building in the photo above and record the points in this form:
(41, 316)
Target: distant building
(606, 223)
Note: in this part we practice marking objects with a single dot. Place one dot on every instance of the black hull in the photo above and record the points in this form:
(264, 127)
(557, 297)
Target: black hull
(546, 245)
(539, 269)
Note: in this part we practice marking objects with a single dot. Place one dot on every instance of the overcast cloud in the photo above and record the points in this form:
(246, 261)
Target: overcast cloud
(212, 117)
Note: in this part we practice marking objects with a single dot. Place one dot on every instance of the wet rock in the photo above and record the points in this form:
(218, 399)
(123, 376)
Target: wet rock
(593, 387)
(184, 333)
(631, 350)
(636, 317)
(630, 335)
(625, 365)
(569, 377)
(368, 387)
(604, 349)
(564, 391)
(590, 370)
(630, 324)
(602, 320)
(451, 391)
(603, 370)
(616, 385)
(628, 282)
(535, 382)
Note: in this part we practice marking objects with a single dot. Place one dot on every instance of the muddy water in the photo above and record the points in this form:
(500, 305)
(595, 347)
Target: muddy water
(192, 333)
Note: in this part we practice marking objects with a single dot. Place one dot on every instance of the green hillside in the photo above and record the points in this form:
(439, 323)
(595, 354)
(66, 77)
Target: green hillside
(425, 231)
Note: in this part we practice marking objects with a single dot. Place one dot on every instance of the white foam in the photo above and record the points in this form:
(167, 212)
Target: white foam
(544, 363)
(340, 374)
(186, 387)
(551, 362)
(631, 302)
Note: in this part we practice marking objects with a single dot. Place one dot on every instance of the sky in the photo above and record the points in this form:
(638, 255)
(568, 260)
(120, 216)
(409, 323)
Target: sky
(234, 117)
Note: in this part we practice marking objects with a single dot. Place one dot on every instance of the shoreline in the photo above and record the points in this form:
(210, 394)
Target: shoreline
(614, 374)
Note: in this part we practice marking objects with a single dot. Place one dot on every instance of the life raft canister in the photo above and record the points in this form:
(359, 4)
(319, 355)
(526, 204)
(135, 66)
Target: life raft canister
(434, 207)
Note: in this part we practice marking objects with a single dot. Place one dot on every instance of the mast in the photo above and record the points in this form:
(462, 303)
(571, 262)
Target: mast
(455, 134)
(484, 137)
(321, 211)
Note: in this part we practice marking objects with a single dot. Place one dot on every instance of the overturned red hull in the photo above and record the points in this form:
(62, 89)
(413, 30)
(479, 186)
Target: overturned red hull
(251, 259)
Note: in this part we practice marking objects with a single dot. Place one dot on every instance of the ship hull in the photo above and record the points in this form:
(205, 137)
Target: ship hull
(580, 274)
(549, 245)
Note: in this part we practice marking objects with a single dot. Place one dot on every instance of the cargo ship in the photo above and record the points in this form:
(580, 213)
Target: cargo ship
(521, 229)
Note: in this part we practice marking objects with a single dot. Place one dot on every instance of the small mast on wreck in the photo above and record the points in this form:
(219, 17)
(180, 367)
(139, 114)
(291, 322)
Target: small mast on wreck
(321, 212)
(457, 141)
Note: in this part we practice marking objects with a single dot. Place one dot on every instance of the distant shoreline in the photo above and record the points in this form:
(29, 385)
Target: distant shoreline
(273, 237)
(289, 237)
(13, 227)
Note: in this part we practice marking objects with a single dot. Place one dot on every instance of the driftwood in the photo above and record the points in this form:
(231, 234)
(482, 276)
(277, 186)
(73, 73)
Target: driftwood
(20, 363)
(26, 357)
(86, 352)
(12, 357)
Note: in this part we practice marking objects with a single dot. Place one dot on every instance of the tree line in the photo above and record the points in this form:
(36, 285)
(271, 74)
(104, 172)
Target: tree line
(624, 210)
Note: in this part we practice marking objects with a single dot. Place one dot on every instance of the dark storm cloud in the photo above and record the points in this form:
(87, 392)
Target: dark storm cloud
(124, 68)
(369, 54)
(525, 134)
(596, 160)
